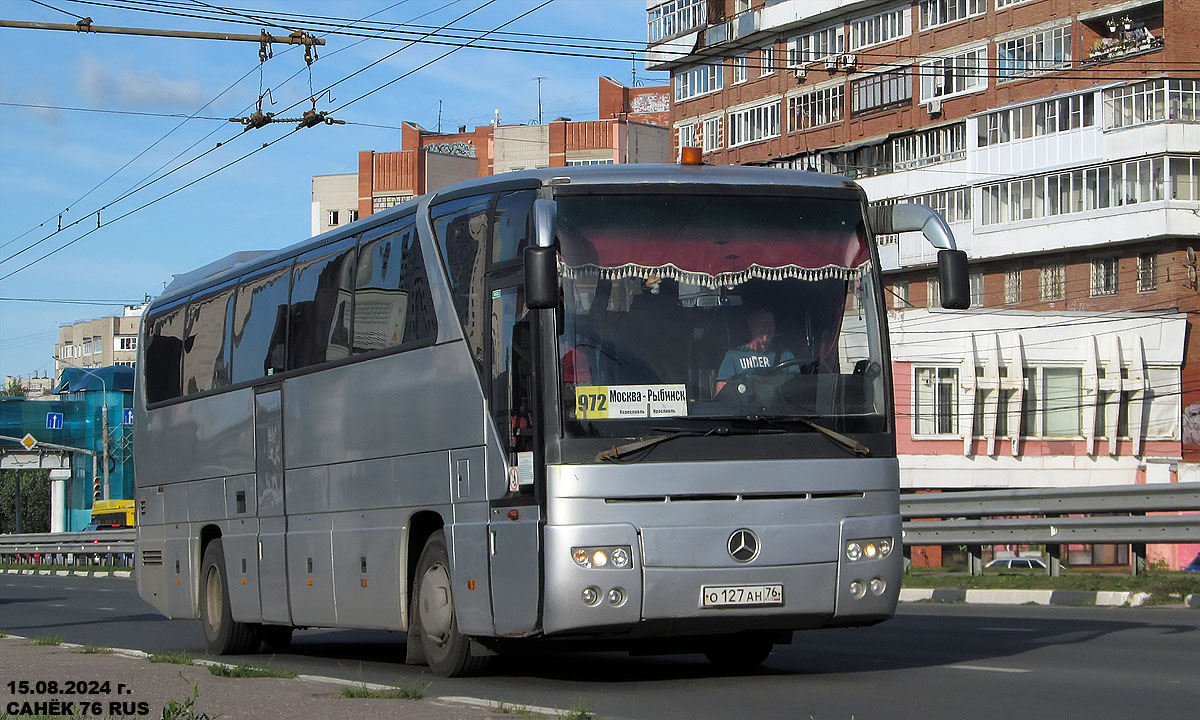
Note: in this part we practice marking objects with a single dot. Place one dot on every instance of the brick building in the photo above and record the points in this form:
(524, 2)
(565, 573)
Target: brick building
(1061, 139)
(632, 128)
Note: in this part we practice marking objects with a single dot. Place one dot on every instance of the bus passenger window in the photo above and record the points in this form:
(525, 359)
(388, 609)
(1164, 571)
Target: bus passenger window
(206, 343)
(319, 329)
(164, 356)
(260, 325)
(392, 302)
(511, 225)
(462, 230)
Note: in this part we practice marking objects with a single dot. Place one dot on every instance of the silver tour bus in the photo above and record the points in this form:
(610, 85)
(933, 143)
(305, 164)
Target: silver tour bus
(642, 407)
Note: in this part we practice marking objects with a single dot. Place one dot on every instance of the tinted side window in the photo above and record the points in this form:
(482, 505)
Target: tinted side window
(322, 298)
(260, 324)
(392, 302)
(462, 232)
(206, 343)
(164, 355)
(512, 225)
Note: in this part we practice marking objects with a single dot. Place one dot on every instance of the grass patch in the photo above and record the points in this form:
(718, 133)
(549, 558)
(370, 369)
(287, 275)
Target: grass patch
(178, 657)
(48, 640)
(249, 671)
(95, 650)
(581, 710)
(186, 710)
(1158, 583)
(410, 691)
(518, 711)
(3, 633)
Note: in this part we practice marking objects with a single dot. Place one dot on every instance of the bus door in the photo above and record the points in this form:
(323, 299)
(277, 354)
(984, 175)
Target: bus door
(272, 522)
(515, 516)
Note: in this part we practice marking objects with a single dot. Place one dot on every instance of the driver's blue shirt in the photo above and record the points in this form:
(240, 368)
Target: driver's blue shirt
(743, 359)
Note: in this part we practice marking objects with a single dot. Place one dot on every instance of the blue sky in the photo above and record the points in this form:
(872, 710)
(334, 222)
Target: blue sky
(52, 156)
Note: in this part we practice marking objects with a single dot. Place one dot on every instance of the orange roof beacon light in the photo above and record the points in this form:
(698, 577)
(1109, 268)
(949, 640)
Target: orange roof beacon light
(690, 156)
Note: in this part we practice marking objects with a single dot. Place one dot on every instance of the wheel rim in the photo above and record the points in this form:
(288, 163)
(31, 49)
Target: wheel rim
(213, 601)
(437, 607)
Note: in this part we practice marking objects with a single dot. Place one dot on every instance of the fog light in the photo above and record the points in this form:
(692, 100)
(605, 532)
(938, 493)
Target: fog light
(616, 597)
(853, 551)
(870, 551)
(885, 547)
(857, 590)
(580, 556)
(591, 595)
(599, 558)
(878, 586)
(620, 558)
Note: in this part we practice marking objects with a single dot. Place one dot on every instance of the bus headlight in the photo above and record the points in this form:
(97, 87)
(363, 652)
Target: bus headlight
(611, 556)
(869, 549)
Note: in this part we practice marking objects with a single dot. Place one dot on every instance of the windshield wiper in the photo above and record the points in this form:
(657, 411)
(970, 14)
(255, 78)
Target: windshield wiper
(622, 452)
(844, 440)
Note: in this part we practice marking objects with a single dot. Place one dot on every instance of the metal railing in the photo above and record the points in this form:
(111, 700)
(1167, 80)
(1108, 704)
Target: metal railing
(1116, 514)
(107, 547)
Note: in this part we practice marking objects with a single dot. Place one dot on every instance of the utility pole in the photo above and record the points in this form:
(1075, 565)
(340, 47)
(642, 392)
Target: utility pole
(439, 117)
(539, 79)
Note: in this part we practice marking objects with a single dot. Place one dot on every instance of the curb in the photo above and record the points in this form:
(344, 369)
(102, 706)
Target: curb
(1034, 597)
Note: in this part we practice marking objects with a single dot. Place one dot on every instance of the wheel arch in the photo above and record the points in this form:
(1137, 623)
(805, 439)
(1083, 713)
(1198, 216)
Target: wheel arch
(421, 526)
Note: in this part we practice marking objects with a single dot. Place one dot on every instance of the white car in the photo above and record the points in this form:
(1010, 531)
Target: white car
(1018, 563)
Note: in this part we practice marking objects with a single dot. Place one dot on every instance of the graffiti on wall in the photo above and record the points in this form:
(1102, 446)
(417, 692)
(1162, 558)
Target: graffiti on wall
(458, 149)
(1191, 425)
(650, 103)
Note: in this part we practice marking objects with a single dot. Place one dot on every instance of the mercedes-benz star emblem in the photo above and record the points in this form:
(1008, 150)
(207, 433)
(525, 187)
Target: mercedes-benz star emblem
(743, 545)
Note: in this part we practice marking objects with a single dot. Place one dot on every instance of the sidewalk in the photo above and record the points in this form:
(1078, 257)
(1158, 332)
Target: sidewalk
(1037, 597)
(149, 687)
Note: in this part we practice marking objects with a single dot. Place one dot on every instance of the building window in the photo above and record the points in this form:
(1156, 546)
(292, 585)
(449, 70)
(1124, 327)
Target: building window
(976, 281)
(899, 292)
(697, 81)
(878, 29)
(126, 343)
(929, 147)
(674, 17)
(383, 202)
(351, 215)
(954, 75)
(816, 46)
(1037, 119)
(685, 134)
(1104, 276)
(935, 13)
(333, 218)
(766, 60)
(933, 293)
(712, 134)
(1012, 286)
(741, 71)
(1062, 400)
(1001, 4)
(754, 124)
(816, 108)
(1053, 282)
(1083, 190)
(1034, 54)
(1147, 266)
(936, 401)
(125, 363)
(879, 91)
(594, 161)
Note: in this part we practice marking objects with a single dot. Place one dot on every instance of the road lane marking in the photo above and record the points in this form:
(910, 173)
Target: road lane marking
(984, 668)
(107, 608)
(57, 605)
(1007, 629)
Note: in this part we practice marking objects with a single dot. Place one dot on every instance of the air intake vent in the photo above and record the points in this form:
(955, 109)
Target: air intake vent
(152, 557)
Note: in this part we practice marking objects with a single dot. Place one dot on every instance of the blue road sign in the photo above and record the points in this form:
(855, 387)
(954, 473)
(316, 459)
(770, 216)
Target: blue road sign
(127, 416)
(54, 421)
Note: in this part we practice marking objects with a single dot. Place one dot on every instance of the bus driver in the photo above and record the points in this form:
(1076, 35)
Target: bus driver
(757, 354)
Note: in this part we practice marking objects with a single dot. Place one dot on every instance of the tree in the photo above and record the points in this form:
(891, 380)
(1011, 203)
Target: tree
(14, 388)
(35, 501)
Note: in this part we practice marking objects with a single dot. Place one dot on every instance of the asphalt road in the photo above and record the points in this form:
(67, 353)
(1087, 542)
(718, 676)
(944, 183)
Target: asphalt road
(930, 662)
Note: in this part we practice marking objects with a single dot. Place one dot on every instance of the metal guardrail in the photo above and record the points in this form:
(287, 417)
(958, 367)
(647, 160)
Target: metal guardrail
(1166, 497)
(108, 547)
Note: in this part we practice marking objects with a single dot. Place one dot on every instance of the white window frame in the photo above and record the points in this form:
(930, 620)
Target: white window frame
(944, 143)
(686, 133)
(884, 27)
(1001, 4)
(125, 343)
(939, 386)
(1012, 286)
(961, 73)
(333, 217)
(933, 295)
(697, 81)
(1106, 273)
(766, 61)
(673, 18)
(880, 91)
(1052, 282)
(1147, 272)
(352, 215)
(816, 46)
(819, 106)
(1035, 58)
(1046, 117)
(712, 132)
(741, 68)
(900, 295)
(754, 123)
(939, 13)
(975, 280)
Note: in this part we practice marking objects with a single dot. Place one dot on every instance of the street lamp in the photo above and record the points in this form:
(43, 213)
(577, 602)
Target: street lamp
(103, 430)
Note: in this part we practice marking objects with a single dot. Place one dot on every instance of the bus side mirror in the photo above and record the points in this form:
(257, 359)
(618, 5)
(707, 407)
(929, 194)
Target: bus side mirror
(953, 279)
(541, 259)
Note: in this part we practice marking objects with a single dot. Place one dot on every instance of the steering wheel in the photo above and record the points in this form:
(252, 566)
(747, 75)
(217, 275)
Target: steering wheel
(807, 367)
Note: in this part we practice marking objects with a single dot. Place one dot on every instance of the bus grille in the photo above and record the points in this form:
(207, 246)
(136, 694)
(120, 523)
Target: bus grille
(747, 497)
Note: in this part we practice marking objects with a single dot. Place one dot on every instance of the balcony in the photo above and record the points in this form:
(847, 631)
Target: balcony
(1118, 48)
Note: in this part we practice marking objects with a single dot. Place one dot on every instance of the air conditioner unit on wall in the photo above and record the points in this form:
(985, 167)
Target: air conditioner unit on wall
(935, 106)
(849, 61)
(801, 74)
(831, 63)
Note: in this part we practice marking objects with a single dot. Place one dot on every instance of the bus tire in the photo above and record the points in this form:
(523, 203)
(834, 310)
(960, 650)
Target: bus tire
(276, 638)
(222, 634)
(447, 651)
(739, 652)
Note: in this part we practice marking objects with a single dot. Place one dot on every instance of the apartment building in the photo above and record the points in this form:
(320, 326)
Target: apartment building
(1061, 139)
(99, 342)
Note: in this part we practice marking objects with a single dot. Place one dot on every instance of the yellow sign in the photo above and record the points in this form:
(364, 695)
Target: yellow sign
(28, 442)
(613, 402)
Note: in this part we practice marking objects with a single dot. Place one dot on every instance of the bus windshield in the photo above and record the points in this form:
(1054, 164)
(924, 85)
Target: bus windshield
(686, 310)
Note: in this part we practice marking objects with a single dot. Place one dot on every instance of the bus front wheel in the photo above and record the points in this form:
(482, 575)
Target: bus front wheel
(447, 651)
(222, 634)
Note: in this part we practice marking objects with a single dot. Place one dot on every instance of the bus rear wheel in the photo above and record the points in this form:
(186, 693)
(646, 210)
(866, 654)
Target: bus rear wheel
(739, 652)
(447, 651)
(222, 634)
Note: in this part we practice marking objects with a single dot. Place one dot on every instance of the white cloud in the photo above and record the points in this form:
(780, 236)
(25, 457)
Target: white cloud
(106, 84)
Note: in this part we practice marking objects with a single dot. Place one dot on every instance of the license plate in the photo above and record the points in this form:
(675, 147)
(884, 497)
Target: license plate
(740, 595)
